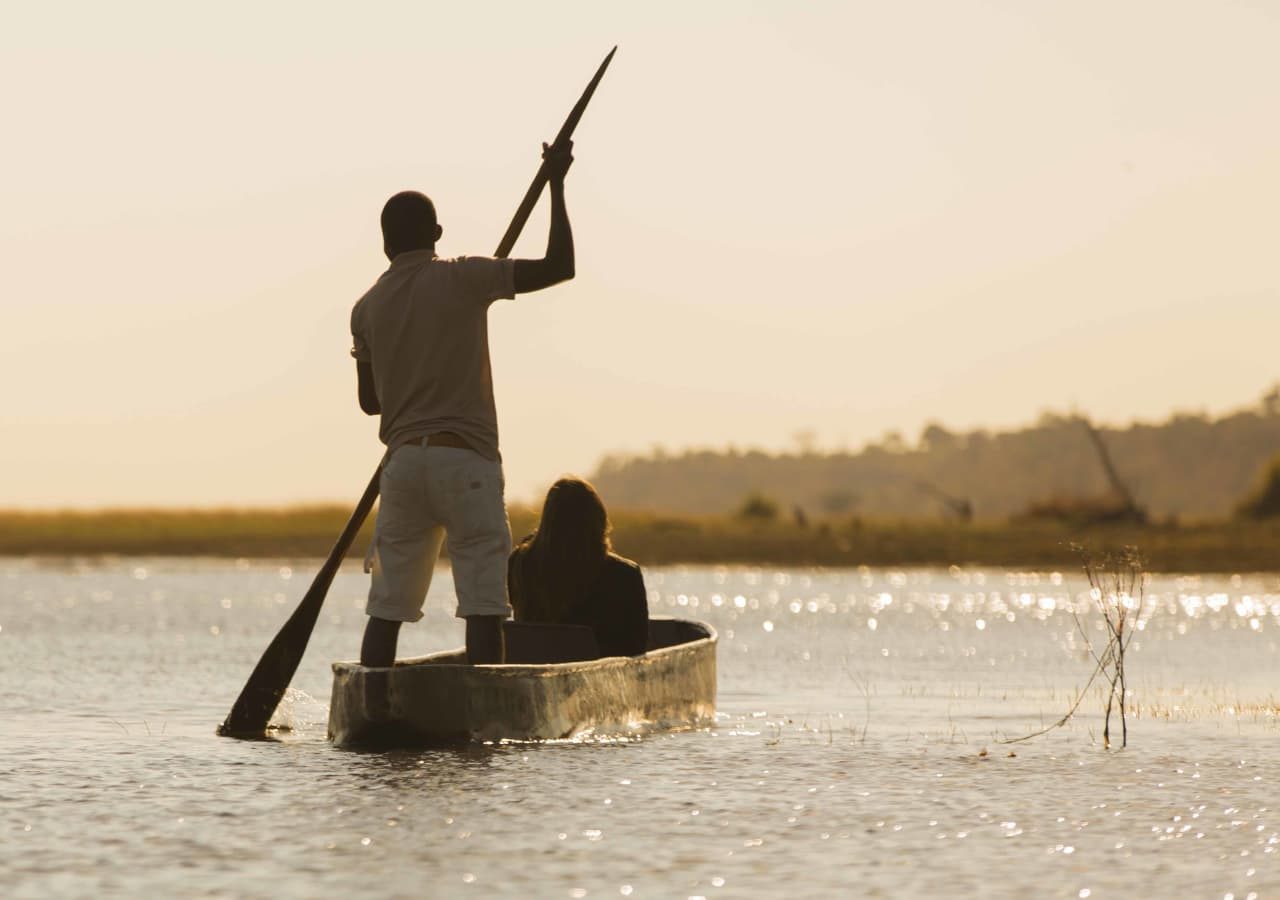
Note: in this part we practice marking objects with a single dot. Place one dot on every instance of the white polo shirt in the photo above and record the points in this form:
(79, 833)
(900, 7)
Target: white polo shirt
(423, 327)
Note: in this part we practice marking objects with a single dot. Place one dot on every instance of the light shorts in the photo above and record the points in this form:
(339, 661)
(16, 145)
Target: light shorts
(426, 493)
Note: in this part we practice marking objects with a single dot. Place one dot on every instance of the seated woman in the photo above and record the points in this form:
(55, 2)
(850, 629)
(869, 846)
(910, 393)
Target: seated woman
(566, 573)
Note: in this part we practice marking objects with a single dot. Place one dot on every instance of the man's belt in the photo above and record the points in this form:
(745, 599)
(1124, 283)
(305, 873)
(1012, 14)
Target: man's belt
(442, 439)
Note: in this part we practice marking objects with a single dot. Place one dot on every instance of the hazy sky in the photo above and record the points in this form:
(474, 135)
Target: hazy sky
(845, 217)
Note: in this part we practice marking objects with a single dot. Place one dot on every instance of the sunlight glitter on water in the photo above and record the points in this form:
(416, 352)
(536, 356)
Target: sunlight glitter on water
(906, 592)
(840, 745)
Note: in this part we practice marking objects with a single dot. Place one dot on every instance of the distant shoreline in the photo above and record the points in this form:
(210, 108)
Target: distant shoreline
(656, 539)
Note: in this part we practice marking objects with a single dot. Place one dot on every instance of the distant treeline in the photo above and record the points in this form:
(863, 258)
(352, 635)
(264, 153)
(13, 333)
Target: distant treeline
(1190, 466)
(663, 539)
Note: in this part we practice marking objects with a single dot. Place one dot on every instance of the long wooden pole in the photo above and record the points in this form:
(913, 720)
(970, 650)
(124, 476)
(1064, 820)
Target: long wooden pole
(261, 694)
(540, 180)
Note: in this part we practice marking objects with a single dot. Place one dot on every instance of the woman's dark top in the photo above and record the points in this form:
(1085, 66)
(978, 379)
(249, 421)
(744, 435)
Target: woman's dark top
(615, 605)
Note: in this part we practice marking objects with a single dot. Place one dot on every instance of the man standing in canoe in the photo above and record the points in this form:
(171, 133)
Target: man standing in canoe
(421, 344)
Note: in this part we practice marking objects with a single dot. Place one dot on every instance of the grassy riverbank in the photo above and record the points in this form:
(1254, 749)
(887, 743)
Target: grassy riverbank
(654, 539)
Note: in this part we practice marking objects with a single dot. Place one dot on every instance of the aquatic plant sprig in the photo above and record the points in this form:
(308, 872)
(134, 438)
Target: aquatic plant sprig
(1117, 586)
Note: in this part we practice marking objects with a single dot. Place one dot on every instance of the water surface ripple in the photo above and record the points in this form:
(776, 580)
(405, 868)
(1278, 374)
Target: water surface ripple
(858, 749)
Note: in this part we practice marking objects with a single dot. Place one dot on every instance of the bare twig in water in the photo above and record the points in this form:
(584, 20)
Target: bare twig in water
(864, 687)
(1117, 586)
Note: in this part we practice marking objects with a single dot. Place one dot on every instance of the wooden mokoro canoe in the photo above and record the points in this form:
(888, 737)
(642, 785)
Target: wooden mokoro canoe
(439, 699)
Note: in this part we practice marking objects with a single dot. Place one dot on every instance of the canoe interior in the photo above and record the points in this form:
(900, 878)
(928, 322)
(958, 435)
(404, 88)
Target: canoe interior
(439, 699)
(540, 644)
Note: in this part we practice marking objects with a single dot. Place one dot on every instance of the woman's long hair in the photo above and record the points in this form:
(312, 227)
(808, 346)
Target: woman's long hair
(557, 564)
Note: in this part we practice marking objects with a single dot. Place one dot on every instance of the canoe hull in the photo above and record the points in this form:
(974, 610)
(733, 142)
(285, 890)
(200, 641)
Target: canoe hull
(438, 699)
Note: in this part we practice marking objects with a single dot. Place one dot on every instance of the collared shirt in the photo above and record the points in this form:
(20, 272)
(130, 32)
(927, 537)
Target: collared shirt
(423, 327)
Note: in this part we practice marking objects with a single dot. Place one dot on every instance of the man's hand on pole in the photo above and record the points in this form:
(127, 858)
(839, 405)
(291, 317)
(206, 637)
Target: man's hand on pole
(557, 264)
(556, 160)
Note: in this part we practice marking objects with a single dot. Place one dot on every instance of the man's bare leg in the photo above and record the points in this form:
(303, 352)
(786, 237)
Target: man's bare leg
(379, 646)
(485, 642)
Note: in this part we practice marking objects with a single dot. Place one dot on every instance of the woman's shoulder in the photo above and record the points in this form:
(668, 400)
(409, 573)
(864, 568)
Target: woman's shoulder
(522, 546)
(619, 573)
(619, 565)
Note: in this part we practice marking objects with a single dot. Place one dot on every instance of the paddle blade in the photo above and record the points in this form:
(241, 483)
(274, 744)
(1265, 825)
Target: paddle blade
(261, 694)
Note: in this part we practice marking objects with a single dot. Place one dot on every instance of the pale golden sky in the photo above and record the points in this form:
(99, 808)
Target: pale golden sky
(845, 217)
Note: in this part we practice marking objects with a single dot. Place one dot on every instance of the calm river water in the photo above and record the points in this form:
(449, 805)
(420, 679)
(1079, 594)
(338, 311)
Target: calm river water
(857, 751)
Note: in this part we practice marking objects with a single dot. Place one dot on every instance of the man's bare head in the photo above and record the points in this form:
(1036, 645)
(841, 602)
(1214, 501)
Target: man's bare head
(409, 223)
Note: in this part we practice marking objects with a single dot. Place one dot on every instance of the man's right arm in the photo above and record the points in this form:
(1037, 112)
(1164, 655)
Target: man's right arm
(365, 389)
(557, 264)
